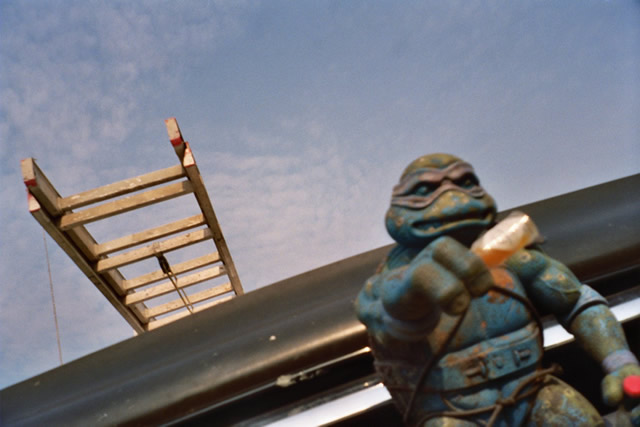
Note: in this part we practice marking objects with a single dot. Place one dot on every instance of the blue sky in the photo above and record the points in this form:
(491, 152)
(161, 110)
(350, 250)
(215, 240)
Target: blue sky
(301, 115)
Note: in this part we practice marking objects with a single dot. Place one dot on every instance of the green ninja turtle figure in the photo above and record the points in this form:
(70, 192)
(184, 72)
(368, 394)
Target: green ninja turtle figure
(457, 343)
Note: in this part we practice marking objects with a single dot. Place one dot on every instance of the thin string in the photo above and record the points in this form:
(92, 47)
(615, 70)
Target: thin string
(53, 299)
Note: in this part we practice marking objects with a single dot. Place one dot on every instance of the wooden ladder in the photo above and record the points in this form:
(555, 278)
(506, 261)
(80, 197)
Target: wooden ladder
(101, 262)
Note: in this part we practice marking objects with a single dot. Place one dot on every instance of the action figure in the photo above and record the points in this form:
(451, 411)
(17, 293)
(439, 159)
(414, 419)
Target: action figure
(457, 343)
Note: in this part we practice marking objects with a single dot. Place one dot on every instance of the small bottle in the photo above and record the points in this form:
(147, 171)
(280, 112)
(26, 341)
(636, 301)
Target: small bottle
(511, 234)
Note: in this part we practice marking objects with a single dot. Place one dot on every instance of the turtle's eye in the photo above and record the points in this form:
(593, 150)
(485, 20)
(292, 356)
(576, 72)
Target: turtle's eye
(424, 189)
(468, 180)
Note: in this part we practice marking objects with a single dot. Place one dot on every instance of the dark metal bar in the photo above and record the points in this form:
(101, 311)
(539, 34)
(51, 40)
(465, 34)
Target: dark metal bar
(193, 369)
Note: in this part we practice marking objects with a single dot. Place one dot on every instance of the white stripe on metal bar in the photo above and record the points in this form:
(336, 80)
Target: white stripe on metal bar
(337, 409)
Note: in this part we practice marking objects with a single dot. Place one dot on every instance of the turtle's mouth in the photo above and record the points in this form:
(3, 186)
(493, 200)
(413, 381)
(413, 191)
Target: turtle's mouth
(474, 218)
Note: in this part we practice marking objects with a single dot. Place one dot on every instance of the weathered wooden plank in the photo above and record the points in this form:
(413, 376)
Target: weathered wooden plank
(184, 153)
(154, 324)
(183, 267)
(125, 205)
(121, 188)
(153, 249)
(195, 298)
(38, 184)
(84, 241)
(168, 287)
(149, 235)
(85, 266)
(200, 192)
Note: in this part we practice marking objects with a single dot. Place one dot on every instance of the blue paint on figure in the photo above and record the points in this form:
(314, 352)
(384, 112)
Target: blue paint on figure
(457, 343)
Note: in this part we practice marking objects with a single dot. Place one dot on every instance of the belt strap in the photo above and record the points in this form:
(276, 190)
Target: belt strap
(485, 361)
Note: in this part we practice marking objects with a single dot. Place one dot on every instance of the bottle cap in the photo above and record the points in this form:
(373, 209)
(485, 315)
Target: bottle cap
(631, 386)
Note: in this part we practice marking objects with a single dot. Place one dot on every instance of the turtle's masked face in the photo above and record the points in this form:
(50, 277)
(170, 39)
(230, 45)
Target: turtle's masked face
(432, 202)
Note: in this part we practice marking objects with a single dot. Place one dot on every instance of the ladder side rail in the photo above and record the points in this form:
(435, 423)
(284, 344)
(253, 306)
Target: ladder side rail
(184, 153)
(115, 279)
(80, 260)
(205, 204)
(40, 187)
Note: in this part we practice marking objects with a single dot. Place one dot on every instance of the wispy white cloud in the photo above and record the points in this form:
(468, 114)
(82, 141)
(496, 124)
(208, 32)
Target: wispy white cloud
(80, 75)
(301, 209)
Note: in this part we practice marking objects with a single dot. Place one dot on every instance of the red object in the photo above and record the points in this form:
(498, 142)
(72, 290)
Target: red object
(631, 386)
(175, 136)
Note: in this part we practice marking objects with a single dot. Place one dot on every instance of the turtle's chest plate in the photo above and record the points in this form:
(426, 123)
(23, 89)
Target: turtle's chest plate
(489, 316)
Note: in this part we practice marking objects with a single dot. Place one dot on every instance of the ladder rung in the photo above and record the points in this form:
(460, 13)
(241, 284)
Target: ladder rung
(183, 267)
(167, 287)
(166, 320)
(195, 298)
(120, 188)
(153, 249)
(125, 205)
(148, 235)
